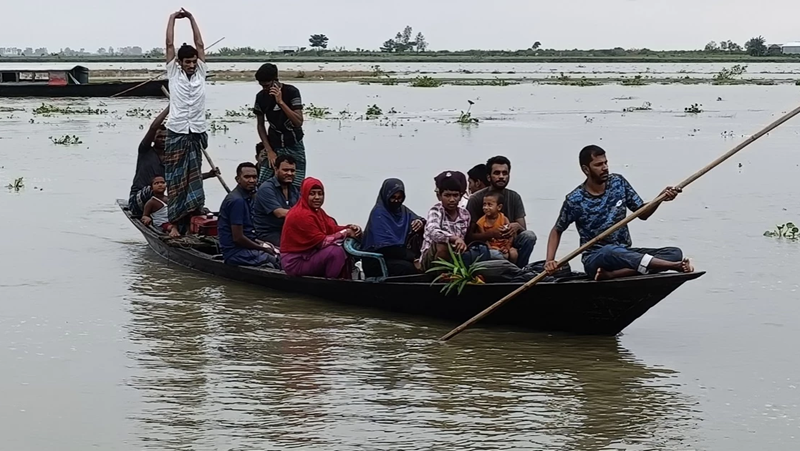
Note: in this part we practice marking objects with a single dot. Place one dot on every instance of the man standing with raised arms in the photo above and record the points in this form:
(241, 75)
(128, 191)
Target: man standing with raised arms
(186, 126)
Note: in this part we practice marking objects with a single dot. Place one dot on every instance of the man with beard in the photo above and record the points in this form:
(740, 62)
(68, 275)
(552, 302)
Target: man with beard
(274, 199)
(499, 169)
(595, 206)
(237, 236)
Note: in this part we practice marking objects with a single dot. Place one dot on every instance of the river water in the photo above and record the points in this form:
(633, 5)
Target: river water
(105, 346)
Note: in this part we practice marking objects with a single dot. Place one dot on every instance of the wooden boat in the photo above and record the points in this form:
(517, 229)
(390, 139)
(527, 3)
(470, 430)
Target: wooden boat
(70, 83)
(580, 306)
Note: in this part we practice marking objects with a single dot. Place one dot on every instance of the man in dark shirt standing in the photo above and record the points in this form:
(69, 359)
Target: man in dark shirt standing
(274, 198)
(282, 107)
(237, 237)
(499, 169)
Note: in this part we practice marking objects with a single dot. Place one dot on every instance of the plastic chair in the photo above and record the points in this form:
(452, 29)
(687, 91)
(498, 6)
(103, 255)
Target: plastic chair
(353, 247)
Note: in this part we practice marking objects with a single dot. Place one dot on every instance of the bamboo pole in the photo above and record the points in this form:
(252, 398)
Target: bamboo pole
(625, 221)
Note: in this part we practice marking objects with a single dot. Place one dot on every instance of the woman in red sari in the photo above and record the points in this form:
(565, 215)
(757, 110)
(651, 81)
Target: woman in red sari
(311, 240)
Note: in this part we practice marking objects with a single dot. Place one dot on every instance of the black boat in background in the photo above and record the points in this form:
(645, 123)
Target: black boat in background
(574, 306)
(70, 83)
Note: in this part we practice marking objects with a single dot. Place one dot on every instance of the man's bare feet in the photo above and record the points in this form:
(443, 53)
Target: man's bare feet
(686, 265)
(602, 274)
(173, 232)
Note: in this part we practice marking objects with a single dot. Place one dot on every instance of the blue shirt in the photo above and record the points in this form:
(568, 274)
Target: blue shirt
(593, 215)
(268, 199)
(236, 209)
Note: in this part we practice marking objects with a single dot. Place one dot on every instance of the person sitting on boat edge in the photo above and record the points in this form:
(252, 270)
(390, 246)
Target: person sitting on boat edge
(186, 125)
(595, 206)
(155, 210)
(392, 230)
(274, 198)
(499, 175)
(279, 107)
(237, 237)
(446, 222)
(149, 163)
(493, 218)
(311, 240)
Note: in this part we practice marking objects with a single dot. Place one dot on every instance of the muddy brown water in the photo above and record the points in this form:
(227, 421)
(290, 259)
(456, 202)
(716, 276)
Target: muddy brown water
(106, 346)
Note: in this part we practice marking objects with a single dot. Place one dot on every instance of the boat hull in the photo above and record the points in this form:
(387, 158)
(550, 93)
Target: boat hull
(149, 89)
(574, 306)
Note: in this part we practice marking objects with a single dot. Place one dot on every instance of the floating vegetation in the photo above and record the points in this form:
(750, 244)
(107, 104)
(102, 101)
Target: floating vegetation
(637, 80)
(456, 274)
(10, 109)
(389, 81)
(788, 231)
(216, 127)
(466, 116)
(728, 76)
(17, 185)
(646, 106)
(693, 109)
(140, 112)
(569, 81)
(484, 82)
(66, 140)
(391, 111)
(424, 81)
(316, 112)
(245, 111)
(49, 110)
(300, 74)
(373, 112)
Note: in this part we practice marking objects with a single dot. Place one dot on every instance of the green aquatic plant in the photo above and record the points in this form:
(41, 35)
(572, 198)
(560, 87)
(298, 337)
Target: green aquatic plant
(373, 112)
(788, 231)
(16, 185)
(455, 273)
(66, 140)
(637, 80)
(424, 81)
(140, 112)
(48, 110)
(727, 76)
(242, 112)
(466, 116)
(693, 109)
(316, 112)
(216, 127)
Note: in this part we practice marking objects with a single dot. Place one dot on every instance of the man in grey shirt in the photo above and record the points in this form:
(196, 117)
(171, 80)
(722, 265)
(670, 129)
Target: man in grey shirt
(499, 169)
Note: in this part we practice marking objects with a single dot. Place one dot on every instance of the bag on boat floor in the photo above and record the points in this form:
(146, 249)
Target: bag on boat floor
(204, 225)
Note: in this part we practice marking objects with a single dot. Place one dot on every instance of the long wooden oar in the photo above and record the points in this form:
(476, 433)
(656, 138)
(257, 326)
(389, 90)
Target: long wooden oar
(159, 75)
(205, 152)
(616, 226)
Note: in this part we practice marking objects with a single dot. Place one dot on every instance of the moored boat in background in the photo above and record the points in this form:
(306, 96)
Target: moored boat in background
(71, 83)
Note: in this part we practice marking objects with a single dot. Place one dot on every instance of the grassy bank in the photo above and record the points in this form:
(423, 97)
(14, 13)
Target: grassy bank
(434, 57)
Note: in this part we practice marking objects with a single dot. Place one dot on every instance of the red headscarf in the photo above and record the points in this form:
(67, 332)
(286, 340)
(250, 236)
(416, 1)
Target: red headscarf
(305, 228)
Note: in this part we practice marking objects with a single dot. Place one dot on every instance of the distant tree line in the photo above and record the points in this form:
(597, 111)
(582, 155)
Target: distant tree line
(756, 46)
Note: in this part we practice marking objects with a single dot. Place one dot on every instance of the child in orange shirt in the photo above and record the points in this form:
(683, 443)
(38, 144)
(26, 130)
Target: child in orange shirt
(493, 218)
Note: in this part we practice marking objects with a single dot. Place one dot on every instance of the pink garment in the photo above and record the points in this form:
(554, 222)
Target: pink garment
(329, 262)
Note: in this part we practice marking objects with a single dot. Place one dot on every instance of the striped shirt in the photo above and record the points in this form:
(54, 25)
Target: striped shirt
(439, 228)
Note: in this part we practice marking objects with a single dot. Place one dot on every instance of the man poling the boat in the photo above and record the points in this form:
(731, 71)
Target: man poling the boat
(186, 126)
(597, 204)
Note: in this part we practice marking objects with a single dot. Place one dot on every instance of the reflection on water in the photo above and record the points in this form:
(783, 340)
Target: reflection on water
(228, 365)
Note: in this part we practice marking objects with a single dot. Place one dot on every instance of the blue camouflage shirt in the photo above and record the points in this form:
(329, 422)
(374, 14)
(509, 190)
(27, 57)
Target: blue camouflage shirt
(593, 215)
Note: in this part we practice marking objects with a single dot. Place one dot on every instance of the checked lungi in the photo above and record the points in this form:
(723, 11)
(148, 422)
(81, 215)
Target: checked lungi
(183, 160)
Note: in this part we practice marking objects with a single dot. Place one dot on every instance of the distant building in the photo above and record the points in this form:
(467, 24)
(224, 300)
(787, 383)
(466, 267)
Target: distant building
(10, 51)
(288, 48)
(791, 48)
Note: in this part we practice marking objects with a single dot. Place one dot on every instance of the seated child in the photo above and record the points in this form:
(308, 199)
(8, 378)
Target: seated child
(447, 223)
(155, 210)
(493, 218)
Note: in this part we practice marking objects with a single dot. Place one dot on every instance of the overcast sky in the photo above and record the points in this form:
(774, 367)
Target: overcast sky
(447, 24)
